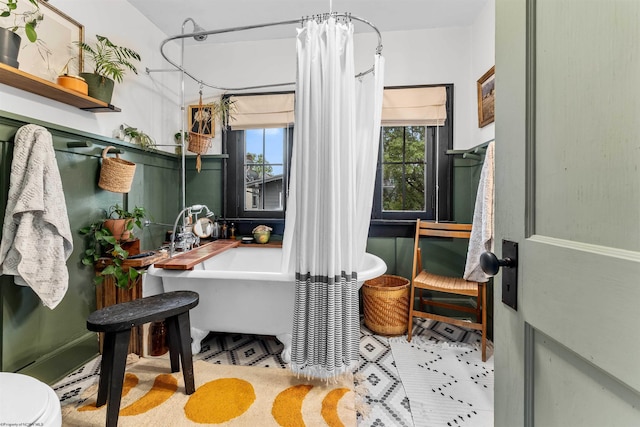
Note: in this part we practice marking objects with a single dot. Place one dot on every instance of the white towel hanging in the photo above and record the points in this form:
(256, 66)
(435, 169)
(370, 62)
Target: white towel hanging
(481, 239)
(36, 238)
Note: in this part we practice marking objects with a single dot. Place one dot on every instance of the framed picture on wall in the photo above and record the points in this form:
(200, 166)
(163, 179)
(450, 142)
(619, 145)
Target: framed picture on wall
(486, 98)
(201, 120)
(56, 50)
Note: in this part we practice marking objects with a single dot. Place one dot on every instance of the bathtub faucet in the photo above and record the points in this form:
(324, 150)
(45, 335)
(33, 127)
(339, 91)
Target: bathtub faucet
(188, 238)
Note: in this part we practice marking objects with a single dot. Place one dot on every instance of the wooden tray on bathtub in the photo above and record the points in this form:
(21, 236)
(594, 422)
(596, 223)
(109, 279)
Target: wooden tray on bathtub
(188, 260)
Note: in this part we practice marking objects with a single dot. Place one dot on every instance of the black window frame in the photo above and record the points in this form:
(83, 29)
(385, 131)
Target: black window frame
(445, 171)
(382, 223)
(234, 186)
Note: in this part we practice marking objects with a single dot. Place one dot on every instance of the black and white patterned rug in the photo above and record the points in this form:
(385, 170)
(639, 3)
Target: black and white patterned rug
(386, 397)
(447, 384)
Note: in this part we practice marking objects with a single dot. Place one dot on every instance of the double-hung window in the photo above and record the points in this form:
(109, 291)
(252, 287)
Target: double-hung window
(414, 172)
(259, 146)
(414, 177)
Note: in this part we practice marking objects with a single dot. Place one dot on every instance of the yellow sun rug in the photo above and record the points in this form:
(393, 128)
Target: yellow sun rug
(226, 395)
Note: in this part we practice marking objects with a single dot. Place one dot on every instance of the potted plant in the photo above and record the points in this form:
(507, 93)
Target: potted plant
(9, 38)
(138, 137)
(177, 137)
(120, 221)
(103, 242)
(111, 62)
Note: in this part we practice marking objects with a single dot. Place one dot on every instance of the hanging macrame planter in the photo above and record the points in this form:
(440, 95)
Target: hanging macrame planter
(200, 141)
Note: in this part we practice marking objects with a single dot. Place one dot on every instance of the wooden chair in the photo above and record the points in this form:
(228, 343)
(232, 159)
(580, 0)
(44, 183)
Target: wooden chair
(424, 280)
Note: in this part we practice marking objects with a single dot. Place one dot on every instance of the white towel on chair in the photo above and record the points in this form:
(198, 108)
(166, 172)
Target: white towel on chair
(36, 238)
(481, 239)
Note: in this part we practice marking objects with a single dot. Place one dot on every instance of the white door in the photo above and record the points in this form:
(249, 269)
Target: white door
(568, 192)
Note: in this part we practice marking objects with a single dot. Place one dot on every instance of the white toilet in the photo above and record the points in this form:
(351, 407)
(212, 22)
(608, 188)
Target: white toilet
(26, 401)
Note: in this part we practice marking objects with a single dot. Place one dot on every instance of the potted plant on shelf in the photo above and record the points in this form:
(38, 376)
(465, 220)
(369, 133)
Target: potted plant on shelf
(138, 137)
(110, 64)
(105, 238)
(177, 137)
(9, 38)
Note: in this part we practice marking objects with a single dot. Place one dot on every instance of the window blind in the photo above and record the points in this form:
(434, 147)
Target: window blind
(420, 106)
(262, 111)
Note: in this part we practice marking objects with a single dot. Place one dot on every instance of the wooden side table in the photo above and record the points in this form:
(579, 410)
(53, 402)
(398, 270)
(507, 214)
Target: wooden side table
(107, 293)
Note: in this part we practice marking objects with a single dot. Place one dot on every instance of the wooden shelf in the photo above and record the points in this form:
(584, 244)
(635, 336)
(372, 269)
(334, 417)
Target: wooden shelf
(30, 83)
(188, 260)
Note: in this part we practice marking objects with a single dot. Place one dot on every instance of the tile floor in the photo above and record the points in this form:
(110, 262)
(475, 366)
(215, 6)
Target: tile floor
(388, 403)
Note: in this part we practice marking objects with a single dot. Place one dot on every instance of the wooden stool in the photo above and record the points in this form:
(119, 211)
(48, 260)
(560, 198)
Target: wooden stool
(116, 322)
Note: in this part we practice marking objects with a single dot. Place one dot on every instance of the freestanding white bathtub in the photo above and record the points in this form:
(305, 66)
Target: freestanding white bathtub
(242, 290)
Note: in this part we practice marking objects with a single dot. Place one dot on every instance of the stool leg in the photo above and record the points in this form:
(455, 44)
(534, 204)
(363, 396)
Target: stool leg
(180, 341)
(112, 367)
(173, 339)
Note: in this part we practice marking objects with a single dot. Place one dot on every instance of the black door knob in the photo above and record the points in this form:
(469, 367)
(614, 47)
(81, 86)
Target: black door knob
(490, 263)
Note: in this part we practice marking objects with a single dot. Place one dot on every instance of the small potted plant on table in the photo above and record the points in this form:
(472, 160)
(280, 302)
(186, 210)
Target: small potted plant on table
(116, 279)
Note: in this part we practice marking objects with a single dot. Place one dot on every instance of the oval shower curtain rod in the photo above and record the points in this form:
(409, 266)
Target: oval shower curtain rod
(202, 34)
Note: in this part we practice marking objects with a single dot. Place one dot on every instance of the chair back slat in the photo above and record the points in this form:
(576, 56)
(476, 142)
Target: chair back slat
(440, 229)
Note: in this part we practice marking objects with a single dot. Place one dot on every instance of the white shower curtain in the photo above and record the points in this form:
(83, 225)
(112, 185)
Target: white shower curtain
(331, 187)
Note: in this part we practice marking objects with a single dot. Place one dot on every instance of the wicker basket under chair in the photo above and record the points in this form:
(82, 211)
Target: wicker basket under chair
(386, 304)
(116, 174)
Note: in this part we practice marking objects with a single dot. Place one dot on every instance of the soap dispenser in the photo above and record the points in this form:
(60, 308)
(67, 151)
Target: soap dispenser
(215, 232)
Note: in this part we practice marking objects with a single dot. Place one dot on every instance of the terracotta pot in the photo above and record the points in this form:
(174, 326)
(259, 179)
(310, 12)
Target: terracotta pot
(118, 228)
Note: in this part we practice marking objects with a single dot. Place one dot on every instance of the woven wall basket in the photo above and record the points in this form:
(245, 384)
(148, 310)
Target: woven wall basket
(386, 304)
(199, 143)
(116, 174)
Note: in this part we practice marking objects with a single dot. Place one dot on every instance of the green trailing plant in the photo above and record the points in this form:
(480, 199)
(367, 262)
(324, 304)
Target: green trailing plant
(110, 61)
(139, 137)
(178, 140)
(222, 111)
(102, 243)
(27, 20)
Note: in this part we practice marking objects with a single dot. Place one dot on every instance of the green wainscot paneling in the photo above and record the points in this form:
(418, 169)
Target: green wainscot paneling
(205, 187)
(466, 175)
(385, 248)
(48, 344)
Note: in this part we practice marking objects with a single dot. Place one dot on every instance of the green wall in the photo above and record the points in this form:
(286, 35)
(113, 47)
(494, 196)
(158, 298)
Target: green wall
(49, 343)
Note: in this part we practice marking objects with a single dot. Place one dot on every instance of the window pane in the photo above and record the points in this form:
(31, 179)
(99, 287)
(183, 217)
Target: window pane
(274, 171)
(253, 141)
(414, 199)
(253, 196)
(274, 145)
(415, 143)
(392, 187)
(403, 168)
(253, 174)
(264, 169)
(392, 144)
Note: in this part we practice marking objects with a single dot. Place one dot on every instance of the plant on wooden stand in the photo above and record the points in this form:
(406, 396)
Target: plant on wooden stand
(103, 241)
